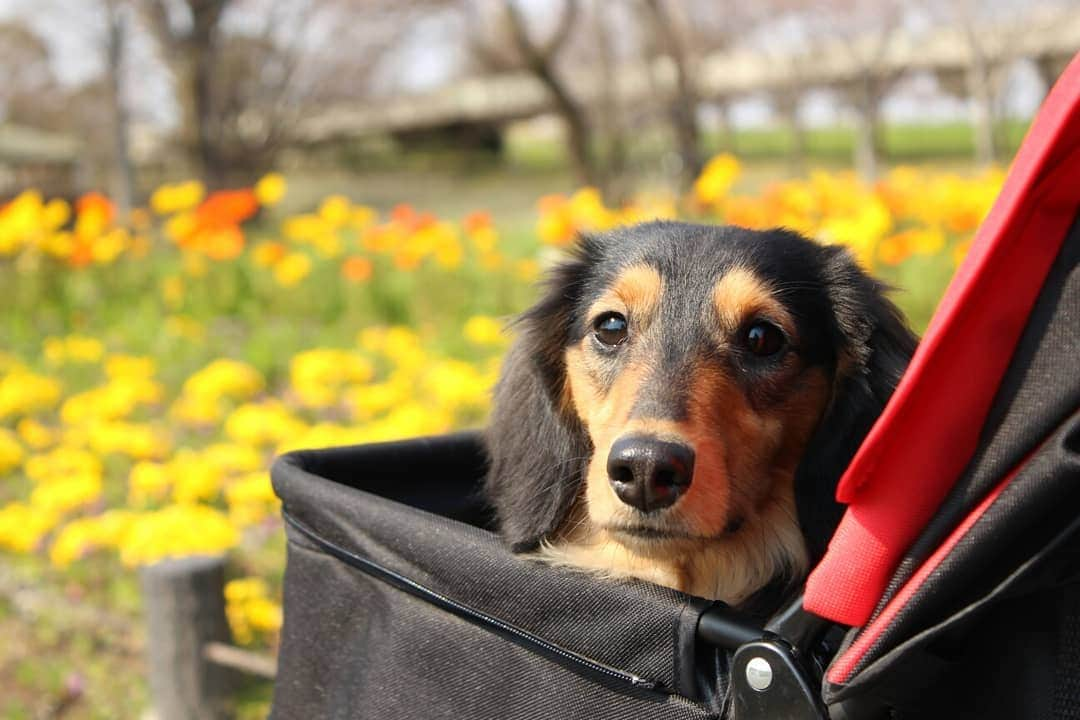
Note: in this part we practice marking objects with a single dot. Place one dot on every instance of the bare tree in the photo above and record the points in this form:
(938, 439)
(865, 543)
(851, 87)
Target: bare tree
(863, 31)
(123, 172)
(247, 71)
(669, 38)
(513, 46)
(612, 118)
(29, 93)
(991, 33)
(187, 33)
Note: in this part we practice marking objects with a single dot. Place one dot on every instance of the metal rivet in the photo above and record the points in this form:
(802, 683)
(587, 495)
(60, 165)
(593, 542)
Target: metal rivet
(759, 674)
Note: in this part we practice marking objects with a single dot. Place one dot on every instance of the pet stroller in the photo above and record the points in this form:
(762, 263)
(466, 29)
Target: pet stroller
(951, 587)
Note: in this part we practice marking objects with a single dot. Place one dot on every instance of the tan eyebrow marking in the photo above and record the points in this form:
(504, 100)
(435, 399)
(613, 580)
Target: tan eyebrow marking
(741, 294)
(638, 288)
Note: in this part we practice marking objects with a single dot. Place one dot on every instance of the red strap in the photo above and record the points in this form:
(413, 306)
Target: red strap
(930, 428)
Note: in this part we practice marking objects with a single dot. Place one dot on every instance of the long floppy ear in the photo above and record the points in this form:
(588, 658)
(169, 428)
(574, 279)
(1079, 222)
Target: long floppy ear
(537, 448)
(874, 346)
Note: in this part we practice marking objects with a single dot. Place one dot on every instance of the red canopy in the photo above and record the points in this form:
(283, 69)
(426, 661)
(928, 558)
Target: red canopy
(930, 429)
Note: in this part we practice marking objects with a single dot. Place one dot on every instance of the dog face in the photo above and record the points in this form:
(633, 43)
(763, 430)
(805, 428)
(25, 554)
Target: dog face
(681, 395)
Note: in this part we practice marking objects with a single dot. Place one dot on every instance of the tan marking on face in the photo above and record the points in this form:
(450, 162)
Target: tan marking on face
(636, 291)
(740, 294)
(745, 456)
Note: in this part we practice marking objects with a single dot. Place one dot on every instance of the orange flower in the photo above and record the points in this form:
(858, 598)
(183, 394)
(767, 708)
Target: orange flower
(96, 203)
(268, 253)
(476, 221)
(227, 207)
(356, 269)
(896, 249)
(82, 254)
(403, 214)
(224, 243)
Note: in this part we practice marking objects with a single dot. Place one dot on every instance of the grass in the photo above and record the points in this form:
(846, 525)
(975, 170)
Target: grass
(832, 146)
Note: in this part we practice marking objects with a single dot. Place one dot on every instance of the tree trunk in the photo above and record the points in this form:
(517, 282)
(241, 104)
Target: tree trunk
(683, 106)
(980, 91)
(123, 180)
(728, 140)
(611, 119)
(867, 105)
(540, 64)
(787, 102)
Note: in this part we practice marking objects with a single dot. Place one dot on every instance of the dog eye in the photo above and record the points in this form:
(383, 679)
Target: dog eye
(610, 328)
(763, 339)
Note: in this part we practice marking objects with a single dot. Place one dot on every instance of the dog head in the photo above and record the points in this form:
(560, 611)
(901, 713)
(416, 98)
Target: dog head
(681, 386)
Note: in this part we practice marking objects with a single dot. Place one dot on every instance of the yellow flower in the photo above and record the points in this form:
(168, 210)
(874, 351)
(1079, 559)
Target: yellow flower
(62, 462)
(110, 245)
(270, 189)
(176, 531)
(233, 457)
(11, 451)
(249, 609)
(335, 210)
(115, 400)
(456, 385)
(148, 481)
(193, 478)
(73, 349)
(137, 441)
(251, 499)
(292, 268)
(716, 179)
(23, 393)
(35, 435)
(267, 253)
(483, 330)
(319, 375)
(20, 222)
(62, 495)
(267, 423)
(55, 214)
(197, 410)
(225, 378)
(22, 526)
(370, 400)
(363, 217)
(85, 535)
(123, 366)
(303, 228)
(180, 227)
(178, 197)
(323, 435)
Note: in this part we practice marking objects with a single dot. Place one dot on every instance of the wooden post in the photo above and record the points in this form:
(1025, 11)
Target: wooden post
(185, 611)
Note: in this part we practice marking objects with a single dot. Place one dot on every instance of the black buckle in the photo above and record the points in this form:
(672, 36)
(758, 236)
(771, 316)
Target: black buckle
(776, 671)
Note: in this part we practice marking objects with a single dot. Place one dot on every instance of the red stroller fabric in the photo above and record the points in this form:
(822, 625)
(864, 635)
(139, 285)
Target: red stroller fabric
(930, 429)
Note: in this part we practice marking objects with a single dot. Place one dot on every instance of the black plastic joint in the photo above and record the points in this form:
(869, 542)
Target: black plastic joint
(769, 682)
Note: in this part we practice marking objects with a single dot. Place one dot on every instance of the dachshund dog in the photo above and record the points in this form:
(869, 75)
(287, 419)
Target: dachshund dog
(680, 405)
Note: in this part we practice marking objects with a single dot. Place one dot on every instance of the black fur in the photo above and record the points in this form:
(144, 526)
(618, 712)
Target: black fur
(537, 447)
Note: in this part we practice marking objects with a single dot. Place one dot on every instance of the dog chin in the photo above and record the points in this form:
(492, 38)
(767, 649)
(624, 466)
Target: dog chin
(650, 540)
(729, 566)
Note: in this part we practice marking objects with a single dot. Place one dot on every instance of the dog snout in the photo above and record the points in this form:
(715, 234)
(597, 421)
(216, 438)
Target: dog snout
(649, 474)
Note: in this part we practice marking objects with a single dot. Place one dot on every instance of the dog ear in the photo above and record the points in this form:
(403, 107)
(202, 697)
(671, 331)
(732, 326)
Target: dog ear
(537, 448)
(874, 346)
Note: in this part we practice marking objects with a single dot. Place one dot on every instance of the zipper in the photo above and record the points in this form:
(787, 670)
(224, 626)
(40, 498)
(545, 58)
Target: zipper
(480, 618)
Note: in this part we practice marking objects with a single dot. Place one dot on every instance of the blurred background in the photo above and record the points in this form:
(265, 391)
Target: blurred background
(230, 228)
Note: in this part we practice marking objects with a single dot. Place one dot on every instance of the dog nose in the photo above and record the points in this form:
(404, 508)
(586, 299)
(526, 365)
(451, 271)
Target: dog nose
(649, 474)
